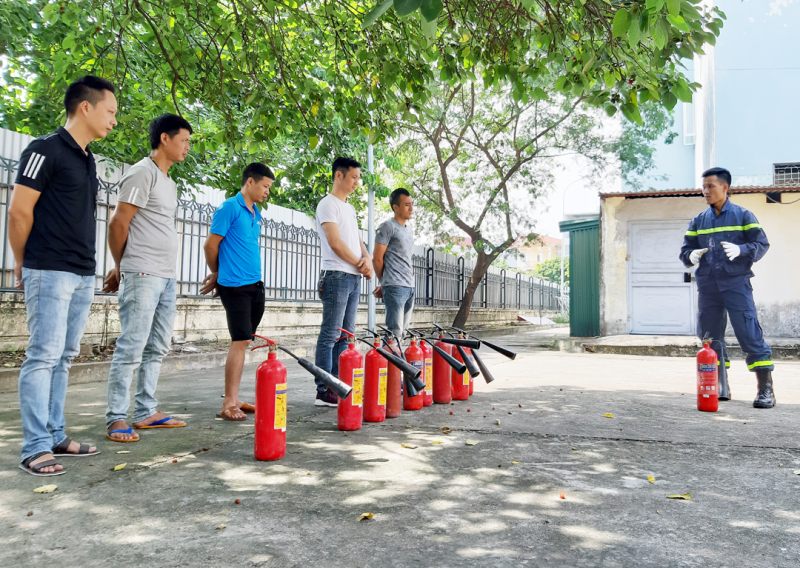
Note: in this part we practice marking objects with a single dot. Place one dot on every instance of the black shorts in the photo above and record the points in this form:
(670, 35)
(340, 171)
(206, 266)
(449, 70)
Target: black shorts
(244, 306)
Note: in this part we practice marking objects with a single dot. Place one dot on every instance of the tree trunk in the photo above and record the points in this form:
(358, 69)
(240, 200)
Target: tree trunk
(481, 267)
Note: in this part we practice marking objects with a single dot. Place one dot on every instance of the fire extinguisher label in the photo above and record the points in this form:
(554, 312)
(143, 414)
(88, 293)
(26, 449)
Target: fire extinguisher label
(382, 386)
(428, 376)
(358, 387)
(280, 406)
(466, 378)
(706, 368)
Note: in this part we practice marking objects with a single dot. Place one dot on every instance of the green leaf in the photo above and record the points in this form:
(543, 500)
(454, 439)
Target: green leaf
(679, 23)
(631, 112)
(611, 110)
(674, 7)
(670, 101)
(621, 23)
(376, 13)
(313, 141)
(430, 9)
(429, 28)
(405, 7)
(634, 34)
(682, 91)
(609, 79)
(560, 83)
(539, 94)
(661, 33)
(68, 42)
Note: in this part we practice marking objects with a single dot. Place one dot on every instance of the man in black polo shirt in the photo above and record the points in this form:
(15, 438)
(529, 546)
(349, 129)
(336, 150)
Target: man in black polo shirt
(52, 233)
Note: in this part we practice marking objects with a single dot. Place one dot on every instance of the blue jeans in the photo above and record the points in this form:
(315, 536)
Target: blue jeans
(57, 304)
(340, 292)
(147, 319)
(399, 302)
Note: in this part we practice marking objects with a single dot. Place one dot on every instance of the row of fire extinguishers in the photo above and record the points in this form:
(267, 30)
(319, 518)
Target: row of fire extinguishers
(375, 386)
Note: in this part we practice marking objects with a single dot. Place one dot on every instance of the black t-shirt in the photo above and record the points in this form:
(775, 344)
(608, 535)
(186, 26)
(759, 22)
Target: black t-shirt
(63, 233)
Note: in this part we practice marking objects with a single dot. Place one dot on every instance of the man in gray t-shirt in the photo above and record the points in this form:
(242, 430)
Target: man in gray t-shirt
(144, 243)
(392, 259)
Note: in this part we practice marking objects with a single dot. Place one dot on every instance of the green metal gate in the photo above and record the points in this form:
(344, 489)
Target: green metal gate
(584, 276)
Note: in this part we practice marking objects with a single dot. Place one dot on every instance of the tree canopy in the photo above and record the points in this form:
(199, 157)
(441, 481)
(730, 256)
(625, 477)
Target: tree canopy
(297, 81)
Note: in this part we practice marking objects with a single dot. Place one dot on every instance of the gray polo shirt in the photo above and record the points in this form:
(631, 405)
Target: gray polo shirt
(398, 269)
(152, 246)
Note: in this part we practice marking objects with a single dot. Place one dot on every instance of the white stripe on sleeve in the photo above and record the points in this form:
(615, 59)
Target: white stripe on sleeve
(38, 167)
(134, 194)
(34, 157)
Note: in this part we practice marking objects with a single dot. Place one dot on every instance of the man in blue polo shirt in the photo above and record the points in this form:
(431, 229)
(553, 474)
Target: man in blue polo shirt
(233, 256)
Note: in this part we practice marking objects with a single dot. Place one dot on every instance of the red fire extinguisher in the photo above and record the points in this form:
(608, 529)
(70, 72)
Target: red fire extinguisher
(270, 429)
(460, 383)
(375, 374)
(351, 372)
(394, 385)
(427, 357)
(441, 373)
(707, 378)
(415, 357)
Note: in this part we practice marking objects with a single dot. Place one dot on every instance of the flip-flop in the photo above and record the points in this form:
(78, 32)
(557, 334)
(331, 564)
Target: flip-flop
(248, 408)
(35, 469)
(226, 415)
(160, 424)
(61, 450)
(121, 431)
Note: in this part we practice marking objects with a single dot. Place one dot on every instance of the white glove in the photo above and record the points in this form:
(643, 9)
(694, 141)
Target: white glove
(694, 258)
(731, 250)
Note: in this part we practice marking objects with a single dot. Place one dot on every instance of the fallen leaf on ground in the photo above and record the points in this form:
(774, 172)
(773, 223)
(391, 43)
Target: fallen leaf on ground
(562, 496)
(120, 466)
(446, 429)
(409, 446)
(574, 449)
(515, 463)
(684, 497)
(609, 415)
(365, 516)
(651, 479)
(497, 422)
(796, 472)
(220, 419)
(123, 452)
(45, 489)
(220, 527)
(437, 442)
(472, 442)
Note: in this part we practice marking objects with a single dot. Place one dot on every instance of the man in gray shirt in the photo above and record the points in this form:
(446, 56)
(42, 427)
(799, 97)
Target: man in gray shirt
(394, 247)
(144, 243)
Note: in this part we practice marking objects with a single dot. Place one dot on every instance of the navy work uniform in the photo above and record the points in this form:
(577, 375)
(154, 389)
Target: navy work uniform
(723, 285)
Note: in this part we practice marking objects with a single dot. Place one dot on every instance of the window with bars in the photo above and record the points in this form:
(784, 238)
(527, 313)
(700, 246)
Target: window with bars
(786, 174)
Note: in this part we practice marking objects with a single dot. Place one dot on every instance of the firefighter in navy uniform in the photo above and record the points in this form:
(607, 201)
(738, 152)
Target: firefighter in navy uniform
(726, 240)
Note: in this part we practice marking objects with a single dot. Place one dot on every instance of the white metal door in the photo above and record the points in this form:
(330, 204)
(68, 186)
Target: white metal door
(661, 301)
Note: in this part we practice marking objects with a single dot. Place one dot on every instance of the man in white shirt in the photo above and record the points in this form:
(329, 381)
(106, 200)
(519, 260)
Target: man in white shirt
(344, 260)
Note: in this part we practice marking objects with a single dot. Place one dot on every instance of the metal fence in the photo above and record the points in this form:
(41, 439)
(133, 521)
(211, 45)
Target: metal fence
(291, 259)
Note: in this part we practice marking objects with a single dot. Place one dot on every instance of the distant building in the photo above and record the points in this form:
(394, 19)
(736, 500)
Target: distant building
(743, 118)
(533, 253)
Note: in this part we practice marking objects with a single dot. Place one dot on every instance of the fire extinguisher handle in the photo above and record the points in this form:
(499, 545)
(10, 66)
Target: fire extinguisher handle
(345, 331)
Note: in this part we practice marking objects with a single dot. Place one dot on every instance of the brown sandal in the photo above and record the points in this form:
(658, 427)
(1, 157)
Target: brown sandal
(227, 414)
(248, 408)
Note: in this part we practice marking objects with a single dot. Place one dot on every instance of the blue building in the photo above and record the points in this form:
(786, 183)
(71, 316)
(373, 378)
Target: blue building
(745, 117)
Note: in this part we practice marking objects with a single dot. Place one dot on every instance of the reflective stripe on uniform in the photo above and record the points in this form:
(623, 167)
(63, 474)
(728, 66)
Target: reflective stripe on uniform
(760, 364)
(727, 363)
(723, 229)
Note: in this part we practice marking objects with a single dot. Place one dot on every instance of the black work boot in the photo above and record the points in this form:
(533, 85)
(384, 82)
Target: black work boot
(766, 396)
(724, 389)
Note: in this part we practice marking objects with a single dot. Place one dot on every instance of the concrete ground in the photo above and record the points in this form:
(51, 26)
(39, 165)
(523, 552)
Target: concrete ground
(444, 504)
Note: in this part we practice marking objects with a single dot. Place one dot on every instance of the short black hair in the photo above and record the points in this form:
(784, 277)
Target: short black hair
(89, 88)
(257, 171)
(394, 198)
(169, 123)
(721, 173)
(343, 165)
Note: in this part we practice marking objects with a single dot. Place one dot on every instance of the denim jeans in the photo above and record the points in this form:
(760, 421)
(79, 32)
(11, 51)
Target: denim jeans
(399, 302)
(339, 309)
(57, 304)
(147, 319)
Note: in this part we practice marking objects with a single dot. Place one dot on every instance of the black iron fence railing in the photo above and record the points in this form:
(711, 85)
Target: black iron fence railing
(291, 260)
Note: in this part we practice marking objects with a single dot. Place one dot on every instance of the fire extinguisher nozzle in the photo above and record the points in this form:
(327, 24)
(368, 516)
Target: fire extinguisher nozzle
(487, 376)
(341, 389)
